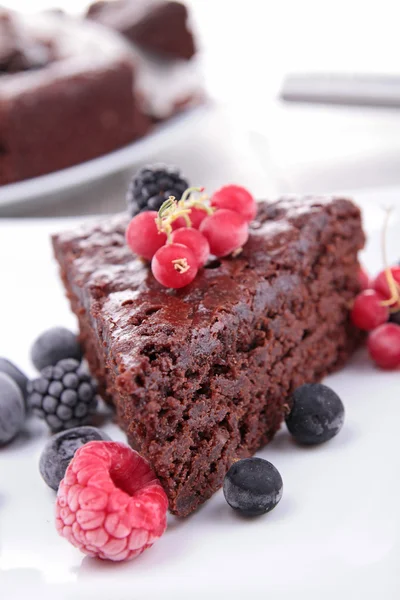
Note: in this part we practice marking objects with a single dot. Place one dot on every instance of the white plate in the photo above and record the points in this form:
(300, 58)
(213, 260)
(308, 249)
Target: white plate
(162, 136)
(335, 534)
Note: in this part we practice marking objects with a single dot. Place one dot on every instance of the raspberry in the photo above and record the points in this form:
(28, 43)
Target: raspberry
(195, 241)
(142, 235)
(384, 346)
(226, 231)
(236, 198)
(152, 186)
(174, 266)
(110, 504)
(368, 311)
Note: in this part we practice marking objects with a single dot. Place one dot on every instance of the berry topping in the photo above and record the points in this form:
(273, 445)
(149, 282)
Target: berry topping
(54, 345)
(110, 504)
(236, 198)
(60, 450)
(317, 414)
(195, 241)
(368, 311)
(152, 186)
(363, 278)
(226, 231)
(384, 346)
(174, 266)
(16, 374)
(12, 409)
(64, 396)
(196, 216)
(143, 236)
(382, 285)
(253, 486)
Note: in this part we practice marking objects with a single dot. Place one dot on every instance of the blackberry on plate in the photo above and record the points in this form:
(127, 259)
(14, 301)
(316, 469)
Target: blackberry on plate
(64, 395)
(253, 486)
(53, 345)
(151, 186)
(60, 450)
(317, 414)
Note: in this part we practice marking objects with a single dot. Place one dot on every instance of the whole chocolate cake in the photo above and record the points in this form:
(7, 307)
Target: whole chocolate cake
(158, 26)
(66, 94)
(201, 376)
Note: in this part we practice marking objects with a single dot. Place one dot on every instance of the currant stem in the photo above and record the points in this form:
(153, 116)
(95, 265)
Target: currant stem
(393, 287)
(188, 191)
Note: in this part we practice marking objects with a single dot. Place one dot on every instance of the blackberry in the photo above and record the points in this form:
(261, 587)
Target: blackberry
(64, 395)
(152, 186)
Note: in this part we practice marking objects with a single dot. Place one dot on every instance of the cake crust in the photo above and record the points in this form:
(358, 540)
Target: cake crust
(201, 376)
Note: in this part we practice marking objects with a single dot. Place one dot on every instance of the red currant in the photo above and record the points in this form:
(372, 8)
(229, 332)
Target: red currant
(381, 284)
(363, 278)
(236, 198)
(384, 346)
(195, 241)
(225, 231)
(196, 216)
(174, 265)
(142, 235)
(368, 311)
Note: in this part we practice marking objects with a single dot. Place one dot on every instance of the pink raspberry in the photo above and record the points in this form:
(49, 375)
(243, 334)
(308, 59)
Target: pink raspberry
(110, 504)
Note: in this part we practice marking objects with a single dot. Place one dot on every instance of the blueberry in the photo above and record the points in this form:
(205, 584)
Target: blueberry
(60, 449)
(317, 414)
(16, 374)
(253, 486)
(54, 345)
(12, 409)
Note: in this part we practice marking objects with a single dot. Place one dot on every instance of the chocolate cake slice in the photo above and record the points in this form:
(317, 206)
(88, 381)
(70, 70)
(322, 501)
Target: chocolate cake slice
(202, 375)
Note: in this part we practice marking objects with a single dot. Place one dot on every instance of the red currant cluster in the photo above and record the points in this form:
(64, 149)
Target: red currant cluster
(180, 237)
(378, 303)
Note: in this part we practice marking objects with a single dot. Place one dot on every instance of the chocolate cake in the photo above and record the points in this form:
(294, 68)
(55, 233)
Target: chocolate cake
(66, 94)
(202, 375)
(168, 73)
(157, 26)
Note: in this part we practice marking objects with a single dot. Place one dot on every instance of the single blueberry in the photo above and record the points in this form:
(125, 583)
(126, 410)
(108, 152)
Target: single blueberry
(16, 374)
(54, 345)
(60, 449)
(253, 486)
(317, 414)
(12, 409)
